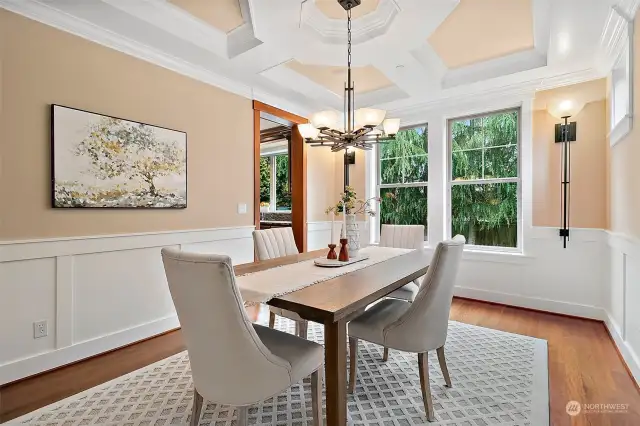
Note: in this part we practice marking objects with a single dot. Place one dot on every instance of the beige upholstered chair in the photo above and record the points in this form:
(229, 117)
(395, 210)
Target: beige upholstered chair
(417, 327)
(272, 243)
(408, 237)
(233, 361)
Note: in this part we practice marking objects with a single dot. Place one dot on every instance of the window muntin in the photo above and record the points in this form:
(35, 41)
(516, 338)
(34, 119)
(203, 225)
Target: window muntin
(484, 179)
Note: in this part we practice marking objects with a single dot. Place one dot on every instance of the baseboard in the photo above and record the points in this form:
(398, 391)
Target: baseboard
(538, 304)
(49, 360)
(627, 353)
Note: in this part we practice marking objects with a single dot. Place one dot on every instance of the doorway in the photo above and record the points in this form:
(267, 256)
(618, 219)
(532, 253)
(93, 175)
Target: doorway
(280, 172)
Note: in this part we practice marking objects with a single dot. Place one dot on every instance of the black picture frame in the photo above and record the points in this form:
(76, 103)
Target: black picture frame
(141, 207)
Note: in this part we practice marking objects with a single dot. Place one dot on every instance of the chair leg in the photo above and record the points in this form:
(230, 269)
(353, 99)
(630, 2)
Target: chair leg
(443, 366)
(423, 367)
(353, 360)
(272, 319)
(196, 408)
(301, 328)
(316, 396)
(243, 413)
(385, 354)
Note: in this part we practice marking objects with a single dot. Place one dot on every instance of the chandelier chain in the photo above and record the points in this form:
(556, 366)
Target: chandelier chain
(349, 38)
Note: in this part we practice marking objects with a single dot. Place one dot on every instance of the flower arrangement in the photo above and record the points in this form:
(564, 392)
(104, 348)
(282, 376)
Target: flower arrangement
(352, 204)
(264, 204)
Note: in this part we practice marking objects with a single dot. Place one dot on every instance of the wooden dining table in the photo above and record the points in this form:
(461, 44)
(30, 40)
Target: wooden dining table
(335, 302)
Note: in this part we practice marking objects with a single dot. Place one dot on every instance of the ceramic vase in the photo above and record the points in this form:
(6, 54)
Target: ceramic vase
(353, 235)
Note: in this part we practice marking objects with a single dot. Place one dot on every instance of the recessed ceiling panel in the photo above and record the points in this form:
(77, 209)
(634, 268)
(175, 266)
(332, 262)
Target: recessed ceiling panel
(479, 30)
(225, 15)
(333, 10)
(366, 79)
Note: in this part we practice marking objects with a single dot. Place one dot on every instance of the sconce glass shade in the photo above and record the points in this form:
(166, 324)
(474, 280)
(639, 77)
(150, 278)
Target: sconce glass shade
(308, 131)
(325, 119)
(369, 117)
(564, 107)
(391, 126)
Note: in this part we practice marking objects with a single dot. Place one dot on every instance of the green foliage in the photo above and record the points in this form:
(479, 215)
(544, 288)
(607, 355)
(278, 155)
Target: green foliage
(482, 148)
(265, 179)
(405, 160)
(283, 192)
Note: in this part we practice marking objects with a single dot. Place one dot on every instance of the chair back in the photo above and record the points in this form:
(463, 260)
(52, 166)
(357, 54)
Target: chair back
(402, 236)
(423, 327)
(274, 242)
(229, 363)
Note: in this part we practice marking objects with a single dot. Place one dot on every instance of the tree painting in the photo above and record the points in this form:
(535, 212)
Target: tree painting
(110, 162)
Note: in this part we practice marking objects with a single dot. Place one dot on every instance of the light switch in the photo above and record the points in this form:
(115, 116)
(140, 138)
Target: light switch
(242, 208)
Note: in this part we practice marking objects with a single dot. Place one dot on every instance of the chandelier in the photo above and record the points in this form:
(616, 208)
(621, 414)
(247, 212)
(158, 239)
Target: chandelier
(360, 128)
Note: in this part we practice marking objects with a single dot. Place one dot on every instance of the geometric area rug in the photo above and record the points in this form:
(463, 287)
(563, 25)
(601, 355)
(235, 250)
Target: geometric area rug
(498, 379)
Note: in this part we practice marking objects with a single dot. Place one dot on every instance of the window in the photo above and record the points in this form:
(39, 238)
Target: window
(274, 182)
(485, 178)
(402, 181)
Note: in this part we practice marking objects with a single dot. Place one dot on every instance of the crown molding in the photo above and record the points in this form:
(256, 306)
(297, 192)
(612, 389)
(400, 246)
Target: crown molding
(333, 31)
(44, 13)
(522, 90)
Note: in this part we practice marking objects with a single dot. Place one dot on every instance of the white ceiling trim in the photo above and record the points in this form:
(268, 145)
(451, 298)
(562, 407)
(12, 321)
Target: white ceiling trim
(48, 15)
(615, 33)
(176, 21)
(488, 97)
(242, 38)
(513, 63)
(334, 31)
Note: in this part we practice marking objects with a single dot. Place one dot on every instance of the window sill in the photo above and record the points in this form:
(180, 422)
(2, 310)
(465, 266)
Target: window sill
(479, 255)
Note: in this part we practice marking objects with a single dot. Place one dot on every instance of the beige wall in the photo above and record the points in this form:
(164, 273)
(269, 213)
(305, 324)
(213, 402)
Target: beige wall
(625, 166)
(321, 177)
(41, 65)
(588, 169)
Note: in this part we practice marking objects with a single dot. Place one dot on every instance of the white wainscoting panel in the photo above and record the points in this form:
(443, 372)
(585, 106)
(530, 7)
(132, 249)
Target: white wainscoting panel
(623, 294)
(545, 277)
(28, 294)
(97, 293)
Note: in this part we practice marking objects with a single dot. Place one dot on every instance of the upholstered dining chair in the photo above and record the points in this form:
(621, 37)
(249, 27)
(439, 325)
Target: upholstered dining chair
(417, 327)
(234, 362)
(408, 237)
(272, 243)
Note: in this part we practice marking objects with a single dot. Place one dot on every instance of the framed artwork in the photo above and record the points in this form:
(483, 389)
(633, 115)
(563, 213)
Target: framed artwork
(98, 161)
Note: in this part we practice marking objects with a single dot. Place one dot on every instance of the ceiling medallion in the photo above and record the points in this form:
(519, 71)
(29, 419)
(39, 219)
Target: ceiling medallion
(360, 127)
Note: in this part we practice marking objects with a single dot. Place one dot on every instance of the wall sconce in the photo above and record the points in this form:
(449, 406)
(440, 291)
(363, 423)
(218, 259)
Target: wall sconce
(565, 133)
(349, 159)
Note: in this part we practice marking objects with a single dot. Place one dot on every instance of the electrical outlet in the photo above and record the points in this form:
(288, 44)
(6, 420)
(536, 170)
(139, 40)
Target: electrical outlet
(242, 208)
(40, 329)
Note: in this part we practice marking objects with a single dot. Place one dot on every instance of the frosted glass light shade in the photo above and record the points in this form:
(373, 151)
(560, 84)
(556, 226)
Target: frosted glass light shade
(564, 107)
(308, 131)
(369, 117)
(391, 126)
(325, 119)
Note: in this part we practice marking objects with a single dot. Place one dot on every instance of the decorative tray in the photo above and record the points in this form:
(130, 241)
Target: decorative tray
(327, 263)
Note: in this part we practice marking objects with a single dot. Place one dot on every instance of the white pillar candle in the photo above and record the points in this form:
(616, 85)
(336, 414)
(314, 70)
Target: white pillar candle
(333, 218)
(344, 220)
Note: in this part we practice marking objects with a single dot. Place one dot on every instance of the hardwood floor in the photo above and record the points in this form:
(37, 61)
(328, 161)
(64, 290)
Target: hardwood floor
(584, 365)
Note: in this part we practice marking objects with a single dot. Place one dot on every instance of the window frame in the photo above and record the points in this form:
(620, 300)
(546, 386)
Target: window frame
(379, 185)
(450, 182)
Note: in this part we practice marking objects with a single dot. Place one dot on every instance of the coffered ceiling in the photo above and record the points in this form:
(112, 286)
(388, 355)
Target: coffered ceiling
(407, 54)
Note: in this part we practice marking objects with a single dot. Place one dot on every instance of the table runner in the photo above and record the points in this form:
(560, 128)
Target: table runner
(260, 287)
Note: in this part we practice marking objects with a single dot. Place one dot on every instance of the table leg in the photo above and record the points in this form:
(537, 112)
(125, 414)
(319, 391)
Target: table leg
(335, 358)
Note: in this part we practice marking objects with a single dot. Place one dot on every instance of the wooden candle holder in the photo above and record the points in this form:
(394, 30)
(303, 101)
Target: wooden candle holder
(332, 252)
(344, 251)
